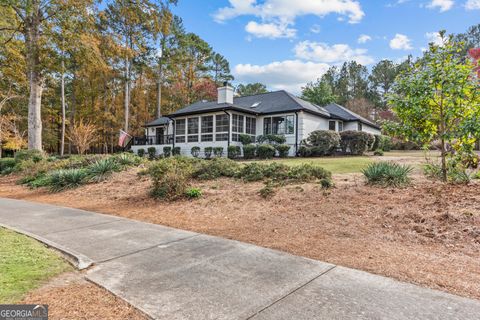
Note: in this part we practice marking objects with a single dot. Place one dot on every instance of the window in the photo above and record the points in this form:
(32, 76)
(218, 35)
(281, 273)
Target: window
(192, 129)
(251, 126)
(340, 126)
(221, 123)
(207, 128)
(222, 137)
(237, 126)
(180, 131)
(279, 125)
(332, 125)
(360, 126)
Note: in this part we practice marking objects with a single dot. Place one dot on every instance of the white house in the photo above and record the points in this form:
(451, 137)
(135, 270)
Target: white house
(219, 123)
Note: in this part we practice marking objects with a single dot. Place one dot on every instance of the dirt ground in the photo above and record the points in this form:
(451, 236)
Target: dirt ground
(428, 234)
(70, 296)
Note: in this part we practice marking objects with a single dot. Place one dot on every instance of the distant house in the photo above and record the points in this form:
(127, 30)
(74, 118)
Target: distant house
(219, 123)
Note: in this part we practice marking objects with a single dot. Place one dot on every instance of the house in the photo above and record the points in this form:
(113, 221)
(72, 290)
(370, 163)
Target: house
(220, 123)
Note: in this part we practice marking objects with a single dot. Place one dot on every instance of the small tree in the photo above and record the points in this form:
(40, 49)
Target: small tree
(438, 99)
(82, 135)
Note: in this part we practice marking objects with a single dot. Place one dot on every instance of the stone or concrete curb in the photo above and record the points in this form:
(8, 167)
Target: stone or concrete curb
(80, 261)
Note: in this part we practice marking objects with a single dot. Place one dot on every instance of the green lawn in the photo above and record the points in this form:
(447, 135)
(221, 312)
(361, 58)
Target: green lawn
(333, 164)
(24, 264)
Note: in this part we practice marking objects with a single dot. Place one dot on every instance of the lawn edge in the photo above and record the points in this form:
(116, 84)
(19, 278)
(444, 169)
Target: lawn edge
(78, 260)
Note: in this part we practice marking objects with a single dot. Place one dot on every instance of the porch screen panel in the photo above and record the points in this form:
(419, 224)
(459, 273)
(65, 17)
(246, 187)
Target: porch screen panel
(193, 129)
(180, 131)
(207, 128)
(221, 127)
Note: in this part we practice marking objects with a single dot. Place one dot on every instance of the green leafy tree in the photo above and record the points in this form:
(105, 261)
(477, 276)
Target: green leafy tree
(251, 89)
(438, 99)
(381, 81)
(319, 93)
(221, 69)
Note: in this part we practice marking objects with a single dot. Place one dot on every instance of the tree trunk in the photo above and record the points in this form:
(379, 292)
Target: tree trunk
(62, 139)
(127, 94)
(443, 155)
(159, 90)
(32, 35)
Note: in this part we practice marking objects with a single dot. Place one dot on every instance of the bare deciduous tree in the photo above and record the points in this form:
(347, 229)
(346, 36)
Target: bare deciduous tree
(82, 135)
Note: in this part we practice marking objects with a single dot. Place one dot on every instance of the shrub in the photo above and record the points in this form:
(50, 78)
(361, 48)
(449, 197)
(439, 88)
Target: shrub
(39, 182)
(152, 153)
(218, 151)
(127, 159)
(216, 168)
(66, 179)
(234, 152)
(246, 139)
(167, 151)
(355, 142)
(283, 150)
(176, 151)
(377, 142)
(24, 155)
(399, 144)
(102, 169)
(326, 183)
(304, 151)
(308, 172)
(170, 177)
(195, 152)
(7, 165)
(265, 151)
(249, 151)
(208, 152)
(370, 142)
(282, 173)
(193, 193)
(252, 172)
(271, 139)
(387, 174)
(323, 142)
(456, 174)
(378, 152)
(385, 143)
(268, 190)
(141, 152)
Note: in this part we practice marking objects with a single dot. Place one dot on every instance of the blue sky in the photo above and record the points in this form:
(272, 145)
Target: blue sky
(287, 43)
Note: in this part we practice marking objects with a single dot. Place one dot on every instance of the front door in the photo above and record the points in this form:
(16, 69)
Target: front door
(159, 135)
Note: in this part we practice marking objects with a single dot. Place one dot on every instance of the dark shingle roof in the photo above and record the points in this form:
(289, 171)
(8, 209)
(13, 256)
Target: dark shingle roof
(347, 115)
(158, 122)
(271, 102)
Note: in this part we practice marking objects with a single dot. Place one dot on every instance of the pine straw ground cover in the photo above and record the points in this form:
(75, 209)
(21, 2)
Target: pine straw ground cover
(428, 234)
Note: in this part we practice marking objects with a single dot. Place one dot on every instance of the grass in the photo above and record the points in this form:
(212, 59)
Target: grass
(333, 164)
(24, 265)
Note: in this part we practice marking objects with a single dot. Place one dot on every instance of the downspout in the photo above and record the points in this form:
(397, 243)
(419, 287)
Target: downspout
(296, 133)
(229, 126)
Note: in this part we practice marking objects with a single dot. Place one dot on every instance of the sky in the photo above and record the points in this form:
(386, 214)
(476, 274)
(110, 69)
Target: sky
(288, 43)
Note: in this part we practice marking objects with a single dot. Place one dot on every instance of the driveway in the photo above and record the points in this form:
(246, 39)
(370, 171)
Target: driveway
(175, 274)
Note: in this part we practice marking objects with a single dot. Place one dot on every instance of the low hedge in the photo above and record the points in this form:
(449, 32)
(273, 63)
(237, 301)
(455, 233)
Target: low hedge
(323, 142)
(249, 151)
(195, 152)
(265, 151)
(234, 152)
(355, 142)
(283, 150)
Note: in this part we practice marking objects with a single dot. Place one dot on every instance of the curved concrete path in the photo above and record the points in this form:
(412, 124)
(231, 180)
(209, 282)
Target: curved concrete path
(175, 274)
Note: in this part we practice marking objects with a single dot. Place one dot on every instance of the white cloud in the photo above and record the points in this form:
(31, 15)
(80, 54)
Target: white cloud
(278, 16)
(270, 30)
(472, 5)
(434, 37)
(400, 42)
(443, 5)
(364, 38)
(288, 10)
(322, 52)
(290, 75)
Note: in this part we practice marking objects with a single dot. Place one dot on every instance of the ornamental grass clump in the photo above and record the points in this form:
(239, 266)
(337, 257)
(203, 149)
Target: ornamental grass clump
(63, 179)
(101, 170)
(387, 174)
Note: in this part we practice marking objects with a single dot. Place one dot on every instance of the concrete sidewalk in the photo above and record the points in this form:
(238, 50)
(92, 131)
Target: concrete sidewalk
(174, 274)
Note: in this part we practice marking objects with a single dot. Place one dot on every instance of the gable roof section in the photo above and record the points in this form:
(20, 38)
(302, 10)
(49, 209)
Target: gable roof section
(343, 113)
(158, 122)
(265, 103)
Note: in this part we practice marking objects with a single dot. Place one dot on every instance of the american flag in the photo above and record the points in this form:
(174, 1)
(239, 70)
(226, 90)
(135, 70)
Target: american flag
(124, 139)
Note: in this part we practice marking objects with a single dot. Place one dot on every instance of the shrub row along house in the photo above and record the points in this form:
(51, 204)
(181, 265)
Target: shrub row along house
(219, 124)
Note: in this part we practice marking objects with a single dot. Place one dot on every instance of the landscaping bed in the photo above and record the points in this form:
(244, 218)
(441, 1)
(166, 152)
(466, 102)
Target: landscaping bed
(428, 233)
